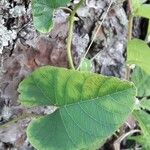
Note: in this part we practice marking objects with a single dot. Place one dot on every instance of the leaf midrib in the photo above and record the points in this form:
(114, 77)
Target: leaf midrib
(94, 99)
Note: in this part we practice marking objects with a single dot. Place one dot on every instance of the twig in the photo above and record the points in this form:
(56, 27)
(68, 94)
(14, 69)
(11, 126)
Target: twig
(70, 34)
(15, 120)
(95, 35)
(130, 26)
(130, 23)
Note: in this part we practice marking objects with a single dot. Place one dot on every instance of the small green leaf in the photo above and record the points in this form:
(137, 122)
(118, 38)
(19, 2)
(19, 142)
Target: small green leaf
(143, 11)
(91, 107)
(86, 65)
(139, 54)
(145, 104)
(144, 122)
(142, 82)
(43, 13)
(136, 4)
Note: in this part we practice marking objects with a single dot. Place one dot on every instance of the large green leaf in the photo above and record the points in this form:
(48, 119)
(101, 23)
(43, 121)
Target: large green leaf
(144, 122)
(91, 107)
(139, 54)
(43, 13)
(142, 82)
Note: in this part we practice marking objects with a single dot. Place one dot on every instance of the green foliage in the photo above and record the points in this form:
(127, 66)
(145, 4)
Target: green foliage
(42, 11)
(143, 11)
(139, 54)
(91, 107)
(143, 119)
(141, 81)
(136, 5)
(145, 104)
(86, 65)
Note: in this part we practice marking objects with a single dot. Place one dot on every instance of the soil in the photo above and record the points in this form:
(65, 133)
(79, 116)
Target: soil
(23, 49)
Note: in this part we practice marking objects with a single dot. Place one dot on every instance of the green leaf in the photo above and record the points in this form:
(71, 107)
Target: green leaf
(43, 13)
(139, 54)
(91, 107)
(86, 65)
(142, 82)
(144, 122)
(140, 140)
(145, 104)
(136, 4)
(143, 11)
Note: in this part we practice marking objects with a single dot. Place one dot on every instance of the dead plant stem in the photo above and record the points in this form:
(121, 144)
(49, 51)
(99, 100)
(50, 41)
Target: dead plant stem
(130, 26)
(95, 35)
(15, 120)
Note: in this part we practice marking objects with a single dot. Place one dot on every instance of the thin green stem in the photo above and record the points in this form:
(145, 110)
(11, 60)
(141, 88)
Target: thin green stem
(70, 34)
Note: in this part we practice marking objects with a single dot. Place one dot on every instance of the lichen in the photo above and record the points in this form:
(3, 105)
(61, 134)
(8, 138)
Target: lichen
(6, 36)
(17, 11)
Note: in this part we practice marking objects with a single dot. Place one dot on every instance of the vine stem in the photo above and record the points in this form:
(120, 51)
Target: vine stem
(70, 34)
(130, 26)
(122, 137)
(130, 23)
(95, 35)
